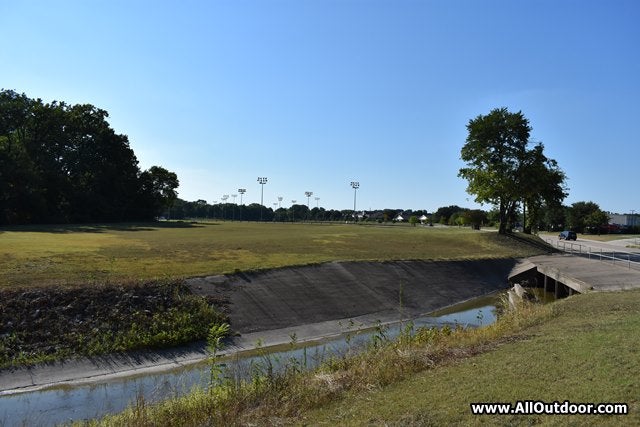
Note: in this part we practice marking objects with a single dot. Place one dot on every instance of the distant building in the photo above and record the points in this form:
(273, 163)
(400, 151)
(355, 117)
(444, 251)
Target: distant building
(625, 220)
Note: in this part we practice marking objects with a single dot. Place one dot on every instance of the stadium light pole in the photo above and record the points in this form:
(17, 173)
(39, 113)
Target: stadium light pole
(262, 180)
(355, 185)
(241, 191)
(279, 201)
(293, 211)
(224, 201)
(308, 194)
(233, 208)
(318, 217)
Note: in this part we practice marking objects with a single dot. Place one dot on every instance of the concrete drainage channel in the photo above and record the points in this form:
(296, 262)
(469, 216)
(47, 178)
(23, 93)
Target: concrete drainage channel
(332, 303)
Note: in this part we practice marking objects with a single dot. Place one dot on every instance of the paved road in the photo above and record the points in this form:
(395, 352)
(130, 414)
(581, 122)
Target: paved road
(615, 251)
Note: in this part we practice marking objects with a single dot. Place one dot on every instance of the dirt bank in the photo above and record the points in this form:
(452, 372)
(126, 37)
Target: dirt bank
(281, 298)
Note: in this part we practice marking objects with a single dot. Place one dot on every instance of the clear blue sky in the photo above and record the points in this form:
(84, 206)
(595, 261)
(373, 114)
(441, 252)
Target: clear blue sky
(316, 94)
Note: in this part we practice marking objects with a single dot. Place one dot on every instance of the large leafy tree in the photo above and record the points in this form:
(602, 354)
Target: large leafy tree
(501, 170)
(542, 185)
(64, 163)
(583, 215)
(159, 186)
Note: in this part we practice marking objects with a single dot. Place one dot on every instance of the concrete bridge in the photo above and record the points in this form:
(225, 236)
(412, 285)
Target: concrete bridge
(567, 274)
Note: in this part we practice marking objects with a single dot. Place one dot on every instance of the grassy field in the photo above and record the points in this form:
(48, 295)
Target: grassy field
(118, 253)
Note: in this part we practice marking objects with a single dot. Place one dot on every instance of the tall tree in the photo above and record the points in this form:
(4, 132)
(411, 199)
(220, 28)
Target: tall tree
(62, 163)
(160, 186)
(578, 214)
(502, 171)
(542, 184)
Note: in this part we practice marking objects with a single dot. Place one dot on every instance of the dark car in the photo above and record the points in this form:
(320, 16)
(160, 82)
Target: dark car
(568, 235)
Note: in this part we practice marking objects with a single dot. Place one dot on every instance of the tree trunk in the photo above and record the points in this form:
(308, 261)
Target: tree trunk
(502, 229)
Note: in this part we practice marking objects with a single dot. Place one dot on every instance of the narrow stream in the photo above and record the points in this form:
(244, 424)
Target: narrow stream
(66, 404)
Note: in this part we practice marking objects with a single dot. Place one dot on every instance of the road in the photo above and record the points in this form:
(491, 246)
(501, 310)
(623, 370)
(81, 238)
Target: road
(616, 251)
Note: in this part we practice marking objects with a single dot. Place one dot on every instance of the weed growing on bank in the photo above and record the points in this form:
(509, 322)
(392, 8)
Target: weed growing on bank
(272, 396)
(53, 323)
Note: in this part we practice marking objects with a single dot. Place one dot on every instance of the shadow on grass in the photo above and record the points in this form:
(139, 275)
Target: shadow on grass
(105, 227)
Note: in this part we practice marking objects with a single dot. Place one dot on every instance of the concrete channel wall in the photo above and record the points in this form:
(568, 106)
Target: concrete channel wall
(386, 291)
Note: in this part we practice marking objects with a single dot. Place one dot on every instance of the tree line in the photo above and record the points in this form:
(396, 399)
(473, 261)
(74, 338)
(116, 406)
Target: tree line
(182, 209)
(581, 217)
(63, 163)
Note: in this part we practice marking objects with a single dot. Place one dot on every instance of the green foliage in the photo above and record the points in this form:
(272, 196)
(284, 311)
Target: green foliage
(63, 163)
(50, 324)
(443, 214)
(586, 215)
(159, 187)
(476, 218)
(214, 344)
(502, 171)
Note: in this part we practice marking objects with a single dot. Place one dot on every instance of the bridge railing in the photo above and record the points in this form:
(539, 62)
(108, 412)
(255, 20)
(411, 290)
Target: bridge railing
(628, 259)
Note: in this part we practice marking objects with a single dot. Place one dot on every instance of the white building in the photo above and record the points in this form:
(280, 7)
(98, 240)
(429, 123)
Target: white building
(626, 220)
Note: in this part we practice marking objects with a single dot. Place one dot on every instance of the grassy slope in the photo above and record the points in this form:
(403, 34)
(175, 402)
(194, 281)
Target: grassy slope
(588, 352)
(97, 254)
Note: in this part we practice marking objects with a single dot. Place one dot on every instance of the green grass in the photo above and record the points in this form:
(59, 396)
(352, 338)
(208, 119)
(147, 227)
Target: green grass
(587, 352)
(131, 252)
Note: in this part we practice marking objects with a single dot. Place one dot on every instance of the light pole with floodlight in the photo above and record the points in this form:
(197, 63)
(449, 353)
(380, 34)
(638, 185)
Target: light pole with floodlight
(308, 194)
(241, 191)
(262, 180)
(233, 207)
(293, 211)
(355, 185)
(224, 201)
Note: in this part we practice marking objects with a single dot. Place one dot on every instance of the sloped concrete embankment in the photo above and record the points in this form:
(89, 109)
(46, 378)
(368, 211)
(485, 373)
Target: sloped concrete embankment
(385, 291)
(270, 306)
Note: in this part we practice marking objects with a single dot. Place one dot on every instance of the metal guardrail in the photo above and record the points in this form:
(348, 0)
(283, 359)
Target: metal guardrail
(630, 259)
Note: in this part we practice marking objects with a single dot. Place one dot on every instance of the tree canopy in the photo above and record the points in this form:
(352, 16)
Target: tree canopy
(503, 171)
(64, 163)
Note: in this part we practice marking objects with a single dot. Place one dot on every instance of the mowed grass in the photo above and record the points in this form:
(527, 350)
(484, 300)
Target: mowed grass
(71, 255)
(586, 352)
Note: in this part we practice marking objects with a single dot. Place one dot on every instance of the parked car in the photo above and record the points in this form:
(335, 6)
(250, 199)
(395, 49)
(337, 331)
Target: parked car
(568, 235)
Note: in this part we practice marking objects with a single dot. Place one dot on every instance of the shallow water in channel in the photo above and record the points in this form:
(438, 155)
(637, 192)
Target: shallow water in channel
(66, 404)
